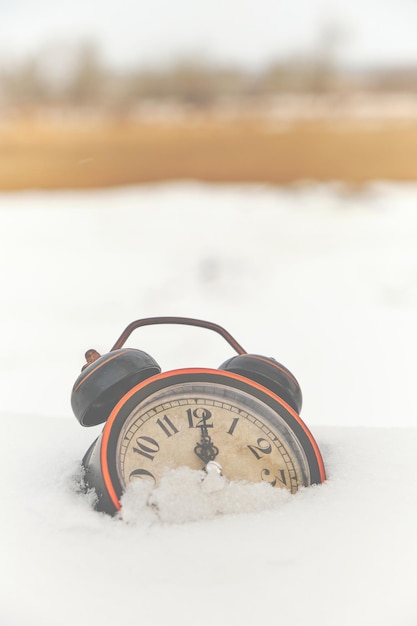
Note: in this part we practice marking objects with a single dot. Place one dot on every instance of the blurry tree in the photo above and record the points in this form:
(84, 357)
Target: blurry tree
(75, 75)
(317, 71)
(325, 57)
(88, 83)
(188, 82)
(394, 79)
(23, 84)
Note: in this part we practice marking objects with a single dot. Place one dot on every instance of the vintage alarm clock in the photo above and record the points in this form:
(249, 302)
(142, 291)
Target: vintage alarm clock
(243, 417)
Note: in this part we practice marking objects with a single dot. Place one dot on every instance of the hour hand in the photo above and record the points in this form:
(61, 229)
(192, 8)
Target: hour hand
(205, 449)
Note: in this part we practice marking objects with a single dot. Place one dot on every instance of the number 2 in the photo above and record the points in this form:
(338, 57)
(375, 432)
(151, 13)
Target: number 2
(263, 447)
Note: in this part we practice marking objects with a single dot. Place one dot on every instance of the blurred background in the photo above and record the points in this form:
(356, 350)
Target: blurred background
(248, 162)
(111, 93)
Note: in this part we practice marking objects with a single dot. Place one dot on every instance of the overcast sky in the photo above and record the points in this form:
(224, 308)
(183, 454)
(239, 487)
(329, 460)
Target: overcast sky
(248, 32)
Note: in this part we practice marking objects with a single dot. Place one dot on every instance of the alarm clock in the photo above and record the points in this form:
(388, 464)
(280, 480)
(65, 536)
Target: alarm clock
(242, 417)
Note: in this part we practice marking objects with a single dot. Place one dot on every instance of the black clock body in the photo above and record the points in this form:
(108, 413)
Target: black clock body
(244, 416)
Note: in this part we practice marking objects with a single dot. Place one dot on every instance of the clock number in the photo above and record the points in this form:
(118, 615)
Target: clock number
(263, 447)
(147, 447)
(168, 427)
(233, 426)
(203, 415)
(281, 478)
(141, 473)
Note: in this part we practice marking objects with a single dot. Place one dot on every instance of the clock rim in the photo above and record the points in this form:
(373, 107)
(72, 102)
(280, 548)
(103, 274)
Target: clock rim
(297, 426)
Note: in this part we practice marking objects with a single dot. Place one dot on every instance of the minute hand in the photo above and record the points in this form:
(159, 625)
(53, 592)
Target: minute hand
(205, 449)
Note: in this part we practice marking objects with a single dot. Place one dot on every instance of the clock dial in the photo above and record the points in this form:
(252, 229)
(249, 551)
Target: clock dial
(163, 433)
(163, 423)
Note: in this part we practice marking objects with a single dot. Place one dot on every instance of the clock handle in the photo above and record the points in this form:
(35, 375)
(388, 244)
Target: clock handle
(147, 321)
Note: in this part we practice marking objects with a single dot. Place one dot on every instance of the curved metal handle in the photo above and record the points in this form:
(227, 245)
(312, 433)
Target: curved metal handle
(189, 321)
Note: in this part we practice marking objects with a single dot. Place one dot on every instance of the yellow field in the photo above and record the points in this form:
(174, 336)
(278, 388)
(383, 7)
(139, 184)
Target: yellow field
(116, 153)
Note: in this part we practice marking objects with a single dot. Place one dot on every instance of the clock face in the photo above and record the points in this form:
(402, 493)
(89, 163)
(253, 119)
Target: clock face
(188, 417)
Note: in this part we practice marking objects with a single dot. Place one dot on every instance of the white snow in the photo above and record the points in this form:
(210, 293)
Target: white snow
(320, 277)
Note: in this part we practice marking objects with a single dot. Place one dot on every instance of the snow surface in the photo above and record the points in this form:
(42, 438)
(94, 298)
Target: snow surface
(324, 279)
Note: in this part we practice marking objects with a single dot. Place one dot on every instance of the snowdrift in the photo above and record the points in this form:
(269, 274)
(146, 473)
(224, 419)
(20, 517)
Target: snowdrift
(321, 278)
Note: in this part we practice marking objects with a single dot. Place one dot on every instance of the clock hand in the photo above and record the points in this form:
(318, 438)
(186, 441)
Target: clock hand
(205, 449)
